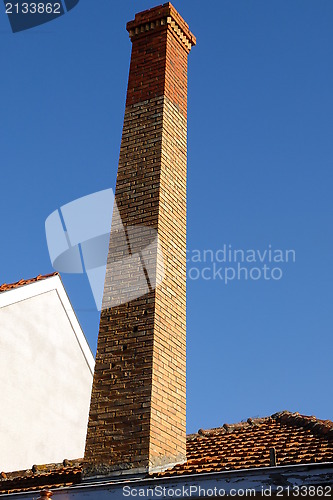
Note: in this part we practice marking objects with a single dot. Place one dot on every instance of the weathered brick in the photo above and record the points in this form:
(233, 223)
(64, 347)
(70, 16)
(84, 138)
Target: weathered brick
(138, 407)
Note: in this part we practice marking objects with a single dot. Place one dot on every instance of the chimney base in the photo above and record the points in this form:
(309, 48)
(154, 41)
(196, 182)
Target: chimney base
(98, 471)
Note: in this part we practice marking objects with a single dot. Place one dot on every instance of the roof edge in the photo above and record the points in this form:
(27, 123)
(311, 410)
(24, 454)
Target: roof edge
(6, 287)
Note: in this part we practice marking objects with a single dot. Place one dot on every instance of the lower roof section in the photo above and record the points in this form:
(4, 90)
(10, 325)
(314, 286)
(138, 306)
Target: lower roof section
(315, 480)
(286, 440)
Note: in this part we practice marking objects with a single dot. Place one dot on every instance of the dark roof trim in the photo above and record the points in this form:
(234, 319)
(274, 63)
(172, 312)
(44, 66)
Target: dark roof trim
(271, 478)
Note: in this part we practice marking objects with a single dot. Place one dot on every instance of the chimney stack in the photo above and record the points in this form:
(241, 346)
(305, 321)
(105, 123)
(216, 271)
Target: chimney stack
(137, 421)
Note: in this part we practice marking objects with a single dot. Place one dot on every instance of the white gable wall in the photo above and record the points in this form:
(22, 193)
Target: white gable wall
(46, 370)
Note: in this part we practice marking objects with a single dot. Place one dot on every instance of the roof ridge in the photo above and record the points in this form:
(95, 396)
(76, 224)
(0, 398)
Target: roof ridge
(317, 426)
(228, 428)
(43, 470)
(10, 286)
(312, 423)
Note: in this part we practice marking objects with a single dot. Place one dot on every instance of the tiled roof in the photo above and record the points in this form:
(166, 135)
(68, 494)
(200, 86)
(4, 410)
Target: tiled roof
(40, 477)
(9, 286)
(296, 439)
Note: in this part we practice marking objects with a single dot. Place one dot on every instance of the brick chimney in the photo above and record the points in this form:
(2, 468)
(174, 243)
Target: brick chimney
(137, 420)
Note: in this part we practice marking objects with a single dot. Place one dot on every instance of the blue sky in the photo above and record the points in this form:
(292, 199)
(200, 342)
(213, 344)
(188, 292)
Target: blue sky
(260, 158)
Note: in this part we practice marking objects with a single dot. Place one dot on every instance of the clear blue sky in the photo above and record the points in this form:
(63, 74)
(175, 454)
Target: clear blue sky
(260, 160)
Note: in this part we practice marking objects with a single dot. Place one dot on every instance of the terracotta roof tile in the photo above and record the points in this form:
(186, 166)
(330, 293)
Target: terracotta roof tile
(10, 286)
(296, 439)
(42, 476)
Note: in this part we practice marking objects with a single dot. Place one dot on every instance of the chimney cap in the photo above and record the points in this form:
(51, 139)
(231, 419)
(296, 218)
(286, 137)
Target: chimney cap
(160, 15)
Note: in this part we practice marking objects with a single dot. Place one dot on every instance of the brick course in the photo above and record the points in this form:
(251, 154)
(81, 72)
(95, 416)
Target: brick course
(137, 417)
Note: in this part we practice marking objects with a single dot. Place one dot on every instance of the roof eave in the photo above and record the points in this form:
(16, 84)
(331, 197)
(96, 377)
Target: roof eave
(257, 479)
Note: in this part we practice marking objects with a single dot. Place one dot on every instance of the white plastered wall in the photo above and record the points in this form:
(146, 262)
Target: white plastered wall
(46, 370)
